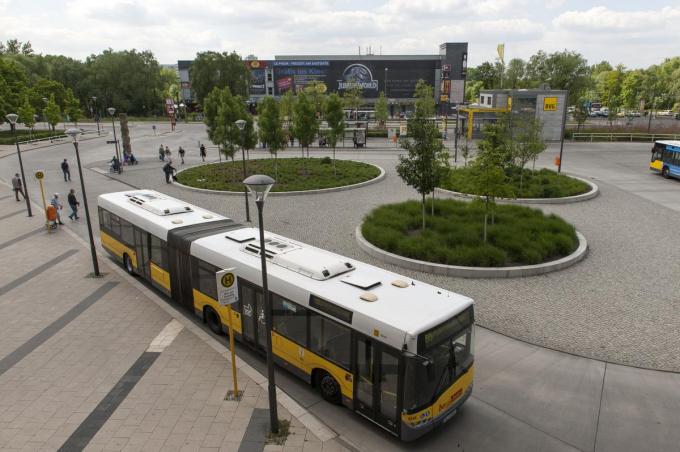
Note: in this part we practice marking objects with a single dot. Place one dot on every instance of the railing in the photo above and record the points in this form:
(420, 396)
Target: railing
(59, 137)
(586, 136)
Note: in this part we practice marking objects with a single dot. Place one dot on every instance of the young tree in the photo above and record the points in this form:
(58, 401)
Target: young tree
(335, 118)
(381, 110)
(425, 105)
(427, 161)
(352, 97)
(27, 114)
(529, 143)
(72, 107)
(52, 112)
(465, 151)
(271, 131)
(317, 95)
(581, 113)
(305, 124)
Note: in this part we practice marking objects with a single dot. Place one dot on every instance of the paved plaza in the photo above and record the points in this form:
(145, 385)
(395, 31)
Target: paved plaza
(618, 306)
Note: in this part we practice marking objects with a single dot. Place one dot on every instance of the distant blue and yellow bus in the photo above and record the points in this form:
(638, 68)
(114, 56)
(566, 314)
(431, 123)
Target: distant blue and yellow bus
(666, 158)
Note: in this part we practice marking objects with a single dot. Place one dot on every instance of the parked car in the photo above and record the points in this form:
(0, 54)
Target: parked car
(664, 113)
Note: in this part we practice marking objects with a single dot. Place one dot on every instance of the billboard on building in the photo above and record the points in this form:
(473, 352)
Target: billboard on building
(338, 76)
(257, 76)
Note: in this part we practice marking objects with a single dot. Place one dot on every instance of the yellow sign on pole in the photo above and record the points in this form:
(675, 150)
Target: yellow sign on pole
(550, 104)
(40, 175)
(227, 294)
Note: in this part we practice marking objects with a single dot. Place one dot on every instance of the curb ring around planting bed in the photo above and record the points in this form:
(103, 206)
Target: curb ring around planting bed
(474, 272)
(594, 191)
(376, 179)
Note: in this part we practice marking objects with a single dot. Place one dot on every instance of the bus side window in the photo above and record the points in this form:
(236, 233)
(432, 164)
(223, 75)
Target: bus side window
(203, 277)
(114, 225)
(290, 319)
(127, 233)
(330, 339)
(159, 252)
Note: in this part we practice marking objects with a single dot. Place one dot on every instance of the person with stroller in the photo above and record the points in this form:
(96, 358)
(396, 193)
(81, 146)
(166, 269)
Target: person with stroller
(169, 171)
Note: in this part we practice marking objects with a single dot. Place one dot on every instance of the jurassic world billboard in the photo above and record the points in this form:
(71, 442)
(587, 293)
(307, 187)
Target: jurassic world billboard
(400, 78)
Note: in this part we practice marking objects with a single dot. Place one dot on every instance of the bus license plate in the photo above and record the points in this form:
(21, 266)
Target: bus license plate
(449, 416)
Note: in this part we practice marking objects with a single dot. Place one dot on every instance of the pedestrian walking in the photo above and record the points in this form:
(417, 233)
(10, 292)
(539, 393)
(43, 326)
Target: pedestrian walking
(203, 152)
(181, 154)
(56, 203)
(18, 187)
(65, 169)
(168, 154)
(161, 153)
(169, 170)
(73, 204)
(114, 164)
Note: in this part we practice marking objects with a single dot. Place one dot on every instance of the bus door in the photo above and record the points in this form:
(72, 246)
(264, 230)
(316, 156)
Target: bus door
(253, 320)
(142, 250)
(376, 388)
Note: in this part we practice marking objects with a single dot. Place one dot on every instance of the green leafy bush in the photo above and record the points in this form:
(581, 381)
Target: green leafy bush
(543, 183)
(518, 236)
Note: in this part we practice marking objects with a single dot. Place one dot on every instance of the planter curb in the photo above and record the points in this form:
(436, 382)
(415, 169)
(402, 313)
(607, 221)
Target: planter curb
(376, 179)
(474, 272)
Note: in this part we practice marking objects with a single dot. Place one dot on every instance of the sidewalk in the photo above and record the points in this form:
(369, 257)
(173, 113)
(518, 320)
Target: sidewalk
(106, 364)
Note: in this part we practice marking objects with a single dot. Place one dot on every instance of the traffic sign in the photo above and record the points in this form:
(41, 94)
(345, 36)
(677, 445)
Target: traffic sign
(227, 288)
(39, 174)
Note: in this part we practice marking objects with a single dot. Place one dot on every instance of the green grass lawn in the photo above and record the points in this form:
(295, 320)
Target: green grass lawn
(454, 235)
(294, 174)
(543, 183)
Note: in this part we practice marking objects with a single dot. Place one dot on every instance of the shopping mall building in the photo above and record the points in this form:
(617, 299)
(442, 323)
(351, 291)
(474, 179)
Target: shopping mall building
(396, 75)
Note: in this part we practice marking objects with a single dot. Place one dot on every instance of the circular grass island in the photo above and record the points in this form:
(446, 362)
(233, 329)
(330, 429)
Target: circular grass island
(516, 235)
(291, 174)
(525, 183)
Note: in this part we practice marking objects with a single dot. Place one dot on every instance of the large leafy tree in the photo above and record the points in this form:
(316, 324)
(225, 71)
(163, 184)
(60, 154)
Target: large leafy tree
(52, 112)
(221, 111)
(27, 114)
(335, 118)
(214, 69)
(427, 161)
(560, 70)
(424, 99)
(271, 130)
(72, 107)
(381, 109)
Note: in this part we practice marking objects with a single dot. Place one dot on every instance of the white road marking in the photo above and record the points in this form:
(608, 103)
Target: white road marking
(166, 336)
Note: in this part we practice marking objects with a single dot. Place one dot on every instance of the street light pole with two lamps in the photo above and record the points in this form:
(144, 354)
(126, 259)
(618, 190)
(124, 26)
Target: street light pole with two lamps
(74, 133)
(259, 186)
(241, 124)
(12, 118)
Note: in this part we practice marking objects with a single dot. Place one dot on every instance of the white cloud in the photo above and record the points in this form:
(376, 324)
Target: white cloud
(603, 19)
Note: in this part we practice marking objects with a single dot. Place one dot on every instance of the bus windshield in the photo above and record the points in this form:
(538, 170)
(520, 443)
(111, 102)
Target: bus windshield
(439, 364)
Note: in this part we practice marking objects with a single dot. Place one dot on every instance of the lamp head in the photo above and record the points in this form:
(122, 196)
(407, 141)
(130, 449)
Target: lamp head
(73, 133)
(12, 118)
(94, 98)
(240, 124)
(259, 185)
(111, 110)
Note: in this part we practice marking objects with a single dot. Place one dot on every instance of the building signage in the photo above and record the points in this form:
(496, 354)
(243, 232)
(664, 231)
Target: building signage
(550, 104)
(357, 75)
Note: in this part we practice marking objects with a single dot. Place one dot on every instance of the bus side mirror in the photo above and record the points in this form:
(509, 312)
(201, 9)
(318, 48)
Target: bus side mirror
(430, 369)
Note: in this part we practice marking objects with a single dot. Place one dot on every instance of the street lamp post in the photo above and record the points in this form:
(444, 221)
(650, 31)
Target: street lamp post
(96, 114)
(241, 124)
(564, 123)
(259, 185)
(112, 111)
(74, 133)
(12, 118)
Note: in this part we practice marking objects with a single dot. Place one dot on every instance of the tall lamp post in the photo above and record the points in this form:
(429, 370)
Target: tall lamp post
(12, 118)
(241, 124)
(96, 113)
(74, 133)
(112, 112)
(564, 123)
(259, 185)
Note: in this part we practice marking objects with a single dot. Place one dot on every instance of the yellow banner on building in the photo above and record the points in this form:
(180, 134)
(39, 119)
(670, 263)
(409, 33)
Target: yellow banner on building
(501, 52)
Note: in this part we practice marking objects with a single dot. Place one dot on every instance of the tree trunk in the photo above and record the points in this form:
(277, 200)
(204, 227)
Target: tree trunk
(276, 165)
(335, 174)
(233, 169)
(423, 211)
(432, 207)
(486, 216)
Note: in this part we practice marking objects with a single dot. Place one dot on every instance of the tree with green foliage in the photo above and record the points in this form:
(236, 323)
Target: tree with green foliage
(221, 111)
(472, 90)
(581, 113)
(515, 74)
(317, 94)
(72, 107)
(305, 123)
(52, 112)
(427, 161)
(335, 118)
(214, 69)
(27, 114)
(425, 105)
(528, 142)
(352, 97)
(271, 130)
(381, 110)
(465, 151)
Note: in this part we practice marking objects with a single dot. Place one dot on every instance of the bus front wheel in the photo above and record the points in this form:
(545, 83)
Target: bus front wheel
(329, 388)
(127, 262)
(665, 173)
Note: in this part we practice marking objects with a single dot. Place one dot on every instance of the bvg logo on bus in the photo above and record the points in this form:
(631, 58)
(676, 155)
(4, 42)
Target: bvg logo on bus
(228, 279)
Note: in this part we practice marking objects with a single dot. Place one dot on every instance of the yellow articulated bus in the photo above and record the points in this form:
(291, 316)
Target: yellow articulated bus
(395, 350)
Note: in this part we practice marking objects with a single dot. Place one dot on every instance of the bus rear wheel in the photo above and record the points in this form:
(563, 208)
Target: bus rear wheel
(213, 320)
(127, 262)
(329, 388)
(665, 173)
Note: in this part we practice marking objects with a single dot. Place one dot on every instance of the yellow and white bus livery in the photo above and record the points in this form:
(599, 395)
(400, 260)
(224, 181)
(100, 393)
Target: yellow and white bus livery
(397, 351)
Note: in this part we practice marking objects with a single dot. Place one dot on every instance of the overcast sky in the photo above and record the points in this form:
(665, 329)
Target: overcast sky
(636, 34)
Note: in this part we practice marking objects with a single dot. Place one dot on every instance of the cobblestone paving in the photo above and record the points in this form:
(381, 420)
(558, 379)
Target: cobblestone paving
(619, 305)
